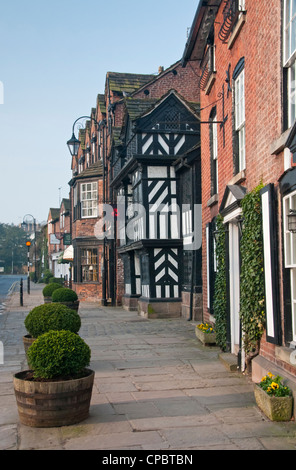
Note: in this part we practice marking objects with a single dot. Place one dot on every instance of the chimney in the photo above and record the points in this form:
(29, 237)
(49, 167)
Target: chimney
(160, 69)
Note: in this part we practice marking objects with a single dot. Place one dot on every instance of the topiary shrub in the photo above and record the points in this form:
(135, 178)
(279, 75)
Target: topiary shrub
(58, 280)
(47, 276)
(58, 354)
(48, 317)
(49, 288)
(64, 295)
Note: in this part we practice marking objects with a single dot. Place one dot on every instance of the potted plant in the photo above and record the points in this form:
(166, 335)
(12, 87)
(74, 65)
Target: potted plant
(48, 317)
(274, 398)
(66, 297)
(205, 333)
(48, 290)
(57, 392)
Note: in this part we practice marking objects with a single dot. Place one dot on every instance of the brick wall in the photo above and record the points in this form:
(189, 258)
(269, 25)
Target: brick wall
(259, 42)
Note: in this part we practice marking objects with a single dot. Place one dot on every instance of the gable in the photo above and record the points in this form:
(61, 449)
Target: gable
(170, 114)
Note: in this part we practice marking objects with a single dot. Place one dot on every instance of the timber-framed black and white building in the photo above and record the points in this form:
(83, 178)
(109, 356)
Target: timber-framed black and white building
(156, 182)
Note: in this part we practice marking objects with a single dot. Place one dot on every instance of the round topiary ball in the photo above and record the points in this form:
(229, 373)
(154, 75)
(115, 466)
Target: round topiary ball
(64, 295)
(49, 288)
(51, 317)
(58, 353)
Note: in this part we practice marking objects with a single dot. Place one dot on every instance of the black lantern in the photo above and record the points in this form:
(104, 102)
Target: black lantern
(73, 145)
(292, 221)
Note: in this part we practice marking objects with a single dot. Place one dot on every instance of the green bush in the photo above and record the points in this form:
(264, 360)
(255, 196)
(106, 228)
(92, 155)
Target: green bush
(64, 295)
(58, 353)
(49, 288)
(58, 280)
(51, 316)
(47, 276)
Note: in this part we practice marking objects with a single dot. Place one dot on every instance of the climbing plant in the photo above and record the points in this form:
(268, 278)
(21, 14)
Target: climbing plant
(220, 299)
(252, 291)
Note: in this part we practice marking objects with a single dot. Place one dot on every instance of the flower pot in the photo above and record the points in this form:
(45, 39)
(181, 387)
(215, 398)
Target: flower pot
(52, 403)
(205, 338)
(27, 340)
(275, 408)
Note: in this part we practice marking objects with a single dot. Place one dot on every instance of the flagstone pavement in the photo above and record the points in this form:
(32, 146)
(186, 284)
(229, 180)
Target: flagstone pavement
(156, 388)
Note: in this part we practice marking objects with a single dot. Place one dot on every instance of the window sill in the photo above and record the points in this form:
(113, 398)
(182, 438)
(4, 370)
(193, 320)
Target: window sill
(238, 178)
(237, 29)
(284, 354)
(213, 200)
(210, 83)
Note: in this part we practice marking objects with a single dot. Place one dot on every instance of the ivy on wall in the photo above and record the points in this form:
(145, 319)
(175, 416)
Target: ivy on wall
(220, 295)
(252, 290)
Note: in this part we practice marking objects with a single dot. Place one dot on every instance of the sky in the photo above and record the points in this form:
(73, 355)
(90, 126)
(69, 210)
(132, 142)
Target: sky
(54, 56)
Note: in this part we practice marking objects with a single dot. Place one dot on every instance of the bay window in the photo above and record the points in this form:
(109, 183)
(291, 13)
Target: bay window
(89, 199)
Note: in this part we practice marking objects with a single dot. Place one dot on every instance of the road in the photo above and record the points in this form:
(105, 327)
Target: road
(6, 283)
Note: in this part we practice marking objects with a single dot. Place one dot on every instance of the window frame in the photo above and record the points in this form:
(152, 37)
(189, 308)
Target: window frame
(214, 152)
(93, 207)
(86, 263)
(289, 202)
(289, 59)
(240, 117)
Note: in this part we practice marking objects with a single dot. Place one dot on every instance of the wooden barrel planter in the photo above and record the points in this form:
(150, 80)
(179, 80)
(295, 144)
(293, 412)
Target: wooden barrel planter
(48, 403)
(27, 341)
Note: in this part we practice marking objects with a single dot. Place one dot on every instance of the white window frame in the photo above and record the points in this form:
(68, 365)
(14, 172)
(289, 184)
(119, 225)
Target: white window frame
(289, 202)
(239, 87)
(215, 150)
(89, 199)
(289, 56)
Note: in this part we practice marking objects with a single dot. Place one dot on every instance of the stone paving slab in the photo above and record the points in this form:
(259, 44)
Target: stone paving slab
(156, 388)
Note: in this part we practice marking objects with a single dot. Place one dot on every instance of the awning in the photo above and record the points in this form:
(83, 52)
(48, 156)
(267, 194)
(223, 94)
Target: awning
(68, 253)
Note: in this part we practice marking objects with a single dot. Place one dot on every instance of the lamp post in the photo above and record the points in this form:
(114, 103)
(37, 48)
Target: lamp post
(73, 145)
(24, 225)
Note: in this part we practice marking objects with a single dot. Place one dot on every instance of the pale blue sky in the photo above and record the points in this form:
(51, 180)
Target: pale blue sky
(54, 56)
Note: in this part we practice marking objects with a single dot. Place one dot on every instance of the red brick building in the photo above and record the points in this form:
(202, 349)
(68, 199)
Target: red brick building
(246, 51)
(59, 238)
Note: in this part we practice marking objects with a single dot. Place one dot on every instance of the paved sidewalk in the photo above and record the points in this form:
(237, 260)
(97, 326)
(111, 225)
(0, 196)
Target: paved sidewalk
(156, 388)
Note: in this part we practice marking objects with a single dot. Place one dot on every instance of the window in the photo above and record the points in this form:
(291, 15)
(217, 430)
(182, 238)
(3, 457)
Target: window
(239, 113)
(89, 265)
(290, 255)
(89, 199)
(289, 58)
(214, 152)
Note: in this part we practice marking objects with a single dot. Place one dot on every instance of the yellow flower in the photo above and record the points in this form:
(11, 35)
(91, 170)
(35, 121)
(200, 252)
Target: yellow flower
(274, 385)
(270, 374)
(263, 379)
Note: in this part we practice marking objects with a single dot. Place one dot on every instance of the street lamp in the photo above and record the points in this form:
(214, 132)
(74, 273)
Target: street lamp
(73, 145)
(24, 225)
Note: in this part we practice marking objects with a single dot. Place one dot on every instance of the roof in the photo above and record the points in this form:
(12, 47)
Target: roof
(137, 107)
(101, 102)
(94, 170)
(202, 23)
(54, 213)
(127, 82)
